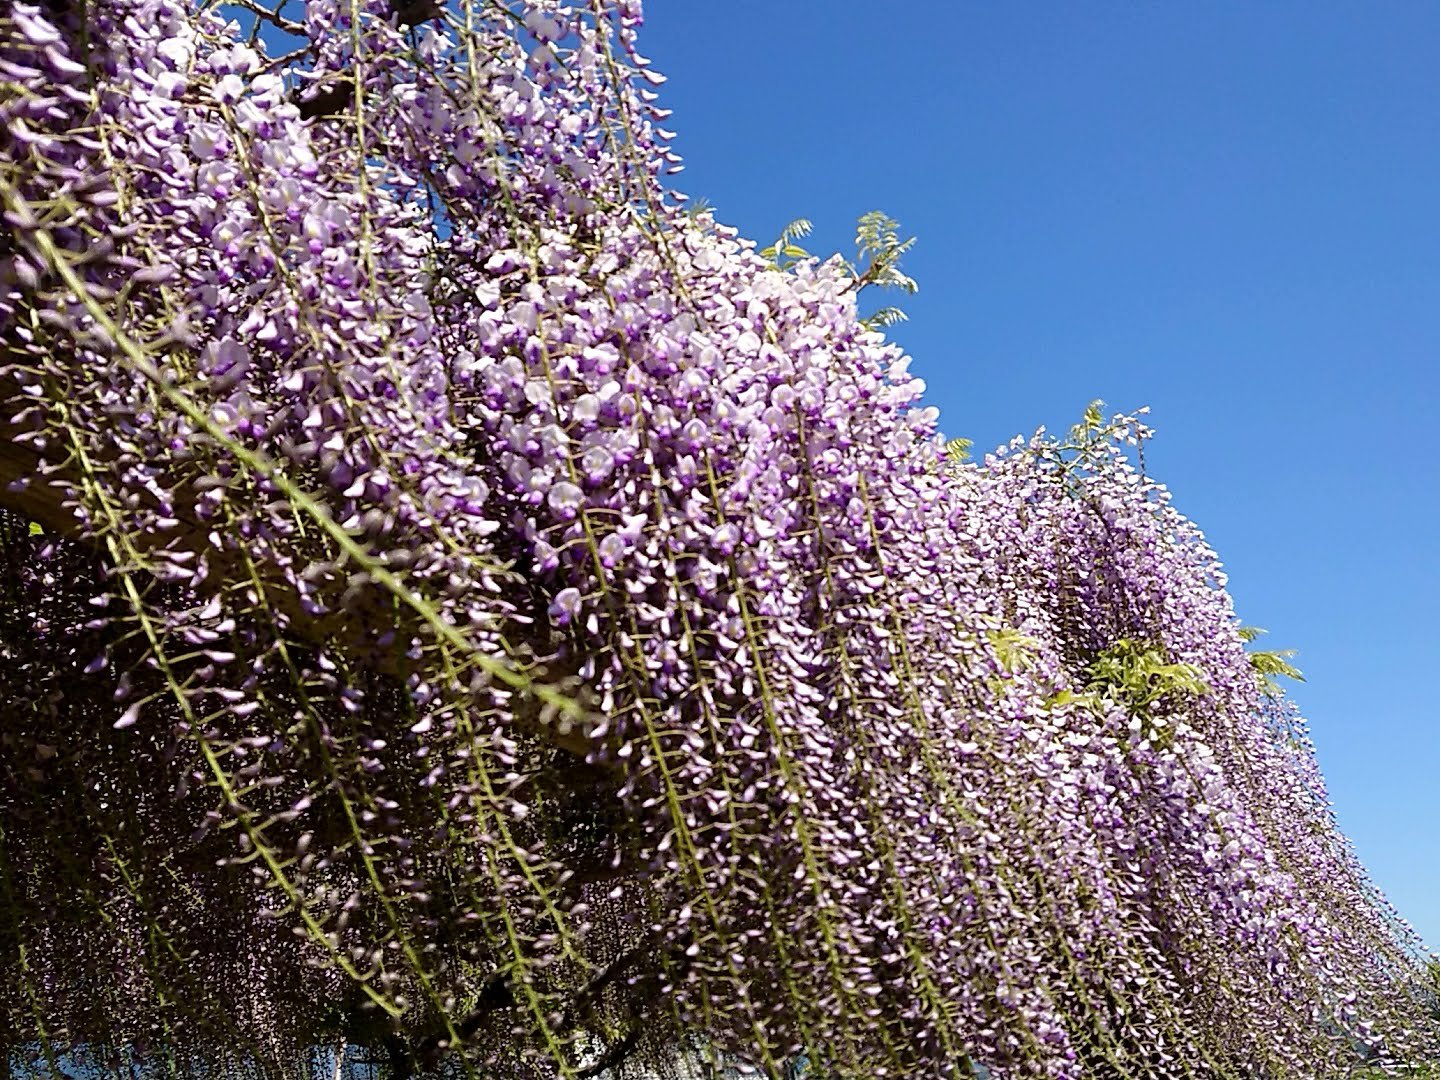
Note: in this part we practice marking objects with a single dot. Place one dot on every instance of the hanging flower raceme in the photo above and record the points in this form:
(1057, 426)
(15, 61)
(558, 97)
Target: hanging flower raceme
(462, 608)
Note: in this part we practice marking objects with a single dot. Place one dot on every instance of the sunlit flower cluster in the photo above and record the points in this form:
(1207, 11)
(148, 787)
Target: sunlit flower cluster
(482, 614)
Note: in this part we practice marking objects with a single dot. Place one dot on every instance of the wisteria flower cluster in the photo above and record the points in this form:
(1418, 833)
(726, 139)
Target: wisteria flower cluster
(466, 611)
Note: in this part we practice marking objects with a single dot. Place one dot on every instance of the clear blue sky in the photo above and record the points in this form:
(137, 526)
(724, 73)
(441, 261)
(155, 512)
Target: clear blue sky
(1227, 211)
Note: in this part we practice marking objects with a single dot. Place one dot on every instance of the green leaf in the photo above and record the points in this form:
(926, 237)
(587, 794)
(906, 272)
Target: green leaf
(877, 237)
(1015, 651)
(885, 317)
(785, 248)
(1269, 665)
(1137, 675)
(797, 228)
(1272, 665)
(1092, 425)
(35, 529)
(697, 207)
(959, 449)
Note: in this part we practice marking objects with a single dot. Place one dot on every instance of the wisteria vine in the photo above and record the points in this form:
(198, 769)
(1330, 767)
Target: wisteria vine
(466, 611)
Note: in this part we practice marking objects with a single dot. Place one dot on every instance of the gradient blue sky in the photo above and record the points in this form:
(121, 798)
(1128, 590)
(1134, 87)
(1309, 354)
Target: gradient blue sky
(1227, 211)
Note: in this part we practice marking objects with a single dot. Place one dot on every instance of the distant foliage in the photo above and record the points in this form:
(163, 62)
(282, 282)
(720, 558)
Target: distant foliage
(464, 611)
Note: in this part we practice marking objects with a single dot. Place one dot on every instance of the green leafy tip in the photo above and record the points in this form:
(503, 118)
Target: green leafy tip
(784, 252)
(1138, 675)
(1270, 665)
(958, 450)
(1092, 424)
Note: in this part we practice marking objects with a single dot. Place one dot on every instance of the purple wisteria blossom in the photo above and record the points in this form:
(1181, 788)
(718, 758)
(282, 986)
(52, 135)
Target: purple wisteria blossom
(461, 606)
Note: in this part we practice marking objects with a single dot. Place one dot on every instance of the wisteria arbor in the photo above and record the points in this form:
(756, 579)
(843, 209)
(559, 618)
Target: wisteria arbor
(463, 611)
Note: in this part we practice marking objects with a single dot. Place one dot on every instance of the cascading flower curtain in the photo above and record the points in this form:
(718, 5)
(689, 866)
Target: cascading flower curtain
(466, 612)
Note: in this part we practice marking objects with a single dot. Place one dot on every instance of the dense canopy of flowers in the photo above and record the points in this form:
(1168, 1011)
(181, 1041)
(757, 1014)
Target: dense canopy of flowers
(465, 610)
